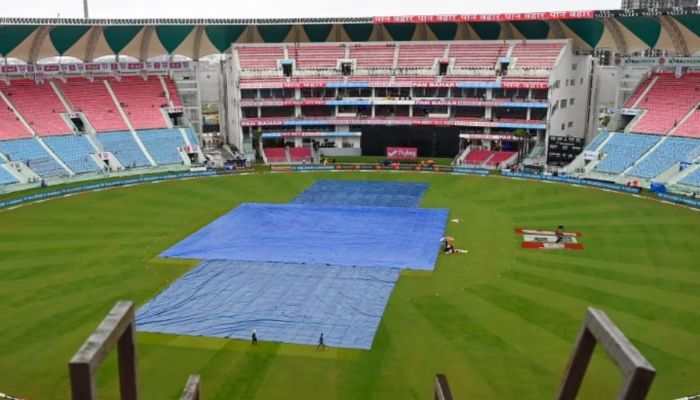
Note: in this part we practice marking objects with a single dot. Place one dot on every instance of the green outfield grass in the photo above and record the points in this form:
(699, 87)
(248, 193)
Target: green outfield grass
(499, 321)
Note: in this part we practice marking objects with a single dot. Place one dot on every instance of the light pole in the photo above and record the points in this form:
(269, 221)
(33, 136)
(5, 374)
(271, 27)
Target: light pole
(86, 15)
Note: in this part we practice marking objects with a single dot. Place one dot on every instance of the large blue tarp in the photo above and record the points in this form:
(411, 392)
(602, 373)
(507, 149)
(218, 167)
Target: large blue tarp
(289, 303)
(394, 237)
(363, 193)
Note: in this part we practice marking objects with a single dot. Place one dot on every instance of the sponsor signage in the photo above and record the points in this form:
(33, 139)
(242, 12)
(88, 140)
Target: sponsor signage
(589, 155)
(535, 16)
(483, 136)
(277, 135)
(664, 61)
(402, 153)
(80, 68)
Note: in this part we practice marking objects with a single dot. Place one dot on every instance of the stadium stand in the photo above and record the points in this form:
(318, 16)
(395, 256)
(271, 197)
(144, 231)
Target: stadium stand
(74, 151)
(623, 149)
(500, 157)
(275, 154)
(163, 144)
(173, 92)
(299, 154)
(123, 146)
(641, 88)
(693, 179)
(93, 99)
(39, 105)
(669, 153)
(533, 55)
(142, 100)
(34, 156)
(477, 55)
(10, 126)
(191, 136)
(478, 157)
(259, 57)
(373, 56)
(6, 178)
(597, 141)
(690, 127)
(420, 56)
(668, 101)
(316, 57)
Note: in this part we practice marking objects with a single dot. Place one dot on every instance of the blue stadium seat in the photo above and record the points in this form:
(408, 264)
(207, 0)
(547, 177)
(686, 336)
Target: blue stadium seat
(123, 146)
(74, 151)
(6, 178)
(33, 154)
(623, 149)
(597, 141)
(163, 145)
(671, 152)
(692, 179)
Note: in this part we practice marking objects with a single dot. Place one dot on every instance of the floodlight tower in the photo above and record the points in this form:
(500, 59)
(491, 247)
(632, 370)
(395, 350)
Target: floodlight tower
(86, 15)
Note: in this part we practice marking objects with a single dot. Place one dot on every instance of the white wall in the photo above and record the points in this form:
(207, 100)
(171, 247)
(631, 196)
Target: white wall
(573, 78)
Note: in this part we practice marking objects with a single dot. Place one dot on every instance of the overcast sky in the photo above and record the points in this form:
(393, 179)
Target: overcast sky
(286, 8)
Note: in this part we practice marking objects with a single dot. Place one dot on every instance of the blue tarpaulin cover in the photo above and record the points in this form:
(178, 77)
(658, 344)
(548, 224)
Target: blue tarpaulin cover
(289, 303)
(393, 237)
(363, 193)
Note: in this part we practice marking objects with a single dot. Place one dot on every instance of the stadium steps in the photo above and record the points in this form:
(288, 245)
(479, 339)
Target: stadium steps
(681, 124)
(591, 166)
(645, 92)
(19, 117)
(166, 91)
(645, 155)
(61, 97)
(149, 157)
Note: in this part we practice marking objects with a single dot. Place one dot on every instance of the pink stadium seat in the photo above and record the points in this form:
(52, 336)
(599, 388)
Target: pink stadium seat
(260, 57)
(141, 100)
(39, 105)
(299, 154)
(373, 55)
(499, 157)
(420, 55)
(93, 99)
(638, 92)
(10, 125)
(477, 55)
(668, 102)
(531, 55)
(172, 90)
(275, 154)
(478, 157)
(316, 56)
(691, 126)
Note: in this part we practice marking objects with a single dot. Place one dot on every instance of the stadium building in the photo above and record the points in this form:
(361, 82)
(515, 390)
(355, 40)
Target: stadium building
(88, 97)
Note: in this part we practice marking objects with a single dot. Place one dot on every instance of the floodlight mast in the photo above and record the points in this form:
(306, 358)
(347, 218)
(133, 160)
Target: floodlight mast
(86, 15)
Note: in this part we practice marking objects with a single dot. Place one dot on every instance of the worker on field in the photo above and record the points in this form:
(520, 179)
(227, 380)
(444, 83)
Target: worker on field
(559, 233)
(321, 342)
(254, 337)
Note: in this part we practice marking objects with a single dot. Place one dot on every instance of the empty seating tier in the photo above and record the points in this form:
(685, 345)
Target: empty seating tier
(669, 153)
(163, 145)
(531, 55)
(668, 102)
(123, 146)
(30, 152)
(10, 126)
(74, 151)
(475, 55)
(420, 55)
(39, 105)
(299, 154)
(260, 57)
(316, 56)
(93, 99)
(275, 154)
(379, 56)
(693, 179)
(142, 101)
(500, 157)
(192, 137)
(597, 141)
(478, 157)
(6, 178)
(638, 92)
(172, 90)
(690, 127)
(622, 150)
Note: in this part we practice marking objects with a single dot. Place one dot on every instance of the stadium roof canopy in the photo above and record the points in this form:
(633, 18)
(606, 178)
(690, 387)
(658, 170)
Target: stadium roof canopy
(624, 31)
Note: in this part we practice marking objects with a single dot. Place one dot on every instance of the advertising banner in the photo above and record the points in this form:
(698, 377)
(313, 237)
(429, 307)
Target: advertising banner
(402, 153)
